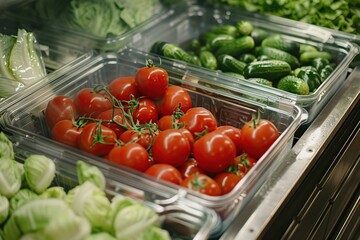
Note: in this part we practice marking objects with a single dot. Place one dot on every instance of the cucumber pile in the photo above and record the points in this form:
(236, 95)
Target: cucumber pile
(256, 55)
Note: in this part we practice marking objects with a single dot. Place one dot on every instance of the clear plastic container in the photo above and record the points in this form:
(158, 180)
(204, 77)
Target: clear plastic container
(57, 58)
(47, 22)
(27, 118)
(183, 219)
(190, 22)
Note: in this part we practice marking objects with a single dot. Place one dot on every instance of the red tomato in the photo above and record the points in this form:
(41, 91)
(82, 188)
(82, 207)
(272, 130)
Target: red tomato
(117, 118)
(189, 167)
(233, 133)
(131, 155)
(188, 135)
(171, 147)
(227, 181)
(145, 112)
(199, 119)
(123, 88)
(59, 108)
(165, 122)
(97, 139)
(174, 97)
(65, 132)
(89, 103)
(243, 163)
(202, 183)
(151, 81)
(165, 172)
(214, 152)
(142, 137)
(257, 136)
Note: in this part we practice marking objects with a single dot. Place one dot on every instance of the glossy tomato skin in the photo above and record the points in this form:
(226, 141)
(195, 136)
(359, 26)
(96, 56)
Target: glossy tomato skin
(65, 132)
(233, 133)
(123, 88)
(89, 103)
(257, 136)
(165, 172)
(151, 81)
(227, 181)
(165, 122)
(172, 147)
(243, 163)
(214, 152)
(202, 183)
(131, 155)
(146, 112)
(59, 108)
(87, 141)
(190, 167)
(198, 119)
(173, 98)
(115, 115)
(144, 138)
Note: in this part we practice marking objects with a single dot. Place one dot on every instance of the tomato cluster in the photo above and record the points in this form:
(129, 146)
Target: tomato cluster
(144, 123)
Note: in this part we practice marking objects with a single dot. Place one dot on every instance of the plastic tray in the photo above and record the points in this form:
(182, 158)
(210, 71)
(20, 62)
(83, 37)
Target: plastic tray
(81, 39)
(183, 219)
(57, 58)
(189, 22)
(27, 117)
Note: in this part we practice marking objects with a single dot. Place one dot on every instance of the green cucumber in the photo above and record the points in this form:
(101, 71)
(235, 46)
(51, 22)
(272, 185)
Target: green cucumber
(319, 63)
(216, 41)
(244, 27)
(278, 42)
(325, 72)
(307, 57)
(228, 63)
(173, 51)
(293, 84)
(247, 57)
(259, 34)
(262, 81)
(307, 48)
(268, 69)
(208, 59)
(237, 46)
(225, 29)
(310, 75)
(277, 54)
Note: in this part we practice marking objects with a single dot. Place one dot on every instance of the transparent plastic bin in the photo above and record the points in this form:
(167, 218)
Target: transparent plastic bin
(190, 22)
(80, 38)
(59, 57)
(183, 219)
(27, 118)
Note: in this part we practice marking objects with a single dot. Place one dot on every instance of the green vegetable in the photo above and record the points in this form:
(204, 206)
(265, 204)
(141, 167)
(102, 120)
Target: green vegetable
(237, 46)
(54, 192)
(310, 75)
(87, 172)
(261, 81)
(4, 209)
(213, 42)
(208, 59)
(21, 63)
(277, 54)
(293, 84)
(278, 42)
(100, 236)
(319, 63)
(225, 29)
(22, 197)
(228, 63)
(269, 69)
(39, 172)
(6, 147)
(10, 178)
(308, 57)
(244, 27)
(247, 58)
(89, 201)
(157, 233)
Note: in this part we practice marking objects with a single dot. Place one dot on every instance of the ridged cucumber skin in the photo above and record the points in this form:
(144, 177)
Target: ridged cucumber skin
(236, 47)
(278, 42)
(208, 59)
(269, 69)
(259, 35)
(293, 84)
(277, 54)
(307, 57)
(227, 63)
(216, 41)
(225, 29)
(319, 63)
(310, 75)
